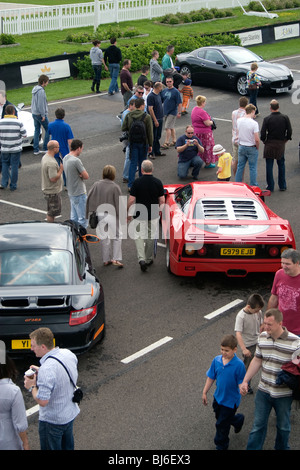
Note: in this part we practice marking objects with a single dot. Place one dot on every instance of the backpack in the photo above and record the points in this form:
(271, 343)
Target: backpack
(137, 133)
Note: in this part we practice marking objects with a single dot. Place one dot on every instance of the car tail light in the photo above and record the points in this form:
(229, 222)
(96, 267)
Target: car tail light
(284, 248)
(273, 251)
(189, 250)
(77, 317)
(202, 251)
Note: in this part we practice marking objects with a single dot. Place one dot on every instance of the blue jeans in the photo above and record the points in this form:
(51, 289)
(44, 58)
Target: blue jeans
(249, 154)
(156, 137)
(10, 169)
(253, 98)
(78, 206)
(97, 76)
(37, 119)
(138, 153)
(126, 163)
(281, 173)
(114, 73)
(183, 167)
(56, 436)
(263, 406)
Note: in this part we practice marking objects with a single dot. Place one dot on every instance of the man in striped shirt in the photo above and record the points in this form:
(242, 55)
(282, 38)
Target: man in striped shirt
(52, 389)
(11, 133)
(275, 347)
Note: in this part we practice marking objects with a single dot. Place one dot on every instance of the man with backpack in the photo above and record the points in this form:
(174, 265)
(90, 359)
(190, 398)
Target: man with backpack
(138, 124)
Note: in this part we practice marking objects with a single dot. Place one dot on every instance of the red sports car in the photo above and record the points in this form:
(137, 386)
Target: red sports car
(222, 227)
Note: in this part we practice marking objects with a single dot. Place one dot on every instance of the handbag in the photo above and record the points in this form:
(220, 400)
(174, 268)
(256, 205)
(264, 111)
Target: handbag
(78, 393)
(93, 220)
(214, 125)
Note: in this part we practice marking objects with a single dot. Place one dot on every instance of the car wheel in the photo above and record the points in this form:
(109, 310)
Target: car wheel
(241, 85)
(186, 69)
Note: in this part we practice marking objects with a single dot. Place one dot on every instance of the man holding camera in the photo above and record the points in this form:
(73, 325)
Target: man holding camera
(52, 389)
(188, 146)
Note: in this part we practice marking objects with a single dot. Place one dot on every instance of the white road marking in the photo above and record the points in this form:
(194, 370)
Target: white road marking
(26, 207)
(23, 207)
(32, 410)
(146, 350)
(223, 309)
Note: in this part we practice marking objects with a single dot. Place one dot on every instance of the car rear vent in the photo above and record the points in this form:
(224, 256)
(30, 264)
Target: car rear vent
(214, 209)
(15, 303)
(50, 302)
(244, 209)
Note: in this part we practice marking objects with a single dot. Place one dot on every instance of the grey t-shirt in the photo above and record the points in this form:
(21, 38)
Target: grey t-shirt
(249, 325)
(73, 167)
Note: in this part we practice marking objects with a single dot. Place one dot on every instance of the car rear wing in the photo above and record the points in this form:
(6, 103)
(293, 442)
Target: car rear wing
(17, 292)
(277, 221)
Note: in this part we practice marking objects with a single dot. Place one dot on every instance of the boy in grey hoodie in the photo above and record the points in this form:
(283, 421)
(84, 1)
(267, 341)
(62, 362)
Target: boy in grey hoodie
(39, 109)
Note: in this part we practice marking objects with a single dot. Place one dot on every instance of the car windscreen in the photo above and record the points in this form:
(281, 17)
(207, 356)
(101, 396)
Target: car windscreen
(38, 267)
(241, 56)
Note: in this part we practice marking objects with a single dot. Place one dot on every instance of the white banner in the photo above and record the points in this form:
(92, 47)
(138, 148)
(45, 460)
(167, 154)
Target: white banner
(57, 69)
(286, 32)
(250, 37)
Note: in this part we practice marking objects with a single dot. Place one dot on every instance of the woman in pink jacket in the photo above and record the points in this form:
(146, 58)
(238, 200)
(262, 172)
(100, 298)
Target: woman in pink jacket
(202, 123)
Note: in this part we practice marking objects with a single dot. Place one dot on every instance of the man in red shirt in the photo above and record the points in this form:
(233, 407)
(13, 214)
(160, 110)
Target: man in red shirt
(285, 293)
(126, 81)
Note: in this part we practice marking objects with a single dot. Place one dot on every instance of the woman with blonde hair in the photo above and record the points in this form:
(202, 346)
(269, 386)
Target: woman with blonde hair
(104, 198)
(202, 123)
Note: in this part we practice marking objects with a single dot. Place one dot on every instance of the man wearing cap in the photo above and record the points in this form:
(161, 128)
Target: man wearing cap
(248, 140)
(224, 163)
(188, 146)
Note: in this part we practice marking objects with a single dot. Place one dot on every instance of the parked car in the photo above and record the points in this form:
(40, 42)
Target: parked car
(227, 66)
(222, 227)
(47, 280)
(26, 118)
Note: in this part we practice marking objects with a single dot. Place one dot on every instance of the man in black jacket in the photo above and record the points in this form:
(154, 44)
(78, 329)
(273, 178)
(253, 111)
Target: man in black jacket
(113, 56)
(275, 132)
(147, 196)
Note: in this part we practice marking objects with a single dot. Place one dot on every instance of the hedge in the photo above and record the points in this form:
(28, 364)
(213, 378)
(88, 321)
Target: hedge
(140, 54)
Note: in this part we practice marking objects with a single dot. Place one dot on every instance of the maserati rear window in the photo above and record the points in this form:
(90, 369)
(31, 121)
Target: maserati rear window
(35, 267)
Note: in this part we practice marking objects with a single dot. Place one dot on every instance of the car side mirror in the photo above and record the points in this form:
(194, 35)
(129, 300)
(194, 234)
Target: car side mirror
(219, 62)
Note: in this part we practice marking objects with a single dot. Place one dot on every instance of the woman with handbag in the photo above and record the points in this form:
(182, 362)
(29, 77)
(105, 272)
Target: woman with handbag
(253, 84)
(104, 199)
(203, 126)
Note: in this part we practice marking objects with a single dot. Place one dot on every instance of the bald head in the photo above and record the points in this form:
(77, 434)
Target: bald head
(52, 147)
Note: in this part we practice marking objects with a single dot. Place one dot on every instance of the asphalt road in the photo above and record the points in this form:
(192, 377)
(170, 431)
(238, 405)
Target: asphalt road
(154, 401)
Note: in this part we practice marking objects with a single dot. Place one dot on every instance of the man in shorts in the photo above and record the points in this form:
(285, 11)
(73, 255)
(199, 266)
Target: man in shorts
(52, 181)
(172, 104)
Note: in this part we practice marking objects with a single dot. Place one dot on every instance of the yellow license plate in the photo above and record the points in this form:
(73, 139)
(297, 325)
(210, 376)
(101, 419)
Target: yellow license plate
(238, 251)
(22, 343)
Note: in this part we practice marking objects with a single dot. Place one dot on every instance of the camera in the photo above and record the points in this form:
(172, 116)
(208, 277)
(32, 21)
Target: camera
(124, 136)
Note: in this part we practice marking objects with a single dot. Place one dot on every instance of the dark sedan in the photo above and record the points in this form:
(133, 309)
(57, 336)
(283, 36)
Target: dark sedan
(47, 280)
(227, 67)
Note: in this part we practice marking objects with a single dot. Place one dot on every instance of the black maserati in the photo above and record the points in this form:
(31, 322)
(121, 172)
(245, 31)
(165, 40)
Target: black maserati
(227, 67)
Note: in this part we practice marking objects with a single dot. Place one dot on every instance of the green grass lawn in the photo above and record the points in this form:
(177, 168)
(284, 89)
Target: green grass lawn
(47, 44)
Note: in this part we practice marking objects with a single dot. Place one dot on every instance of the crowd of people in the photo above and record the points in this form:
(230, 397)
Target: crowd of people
(267, 342)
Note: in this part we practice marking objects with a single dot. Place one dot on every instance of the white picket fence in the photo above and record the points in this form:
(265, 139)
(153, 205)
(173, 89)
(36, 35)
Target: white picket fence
(58, 17)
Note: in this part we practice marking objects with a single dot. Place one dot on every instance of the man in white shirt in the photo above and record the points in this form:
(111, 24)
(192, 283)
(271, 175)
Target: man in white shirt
(237, 114)
(248, 139)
